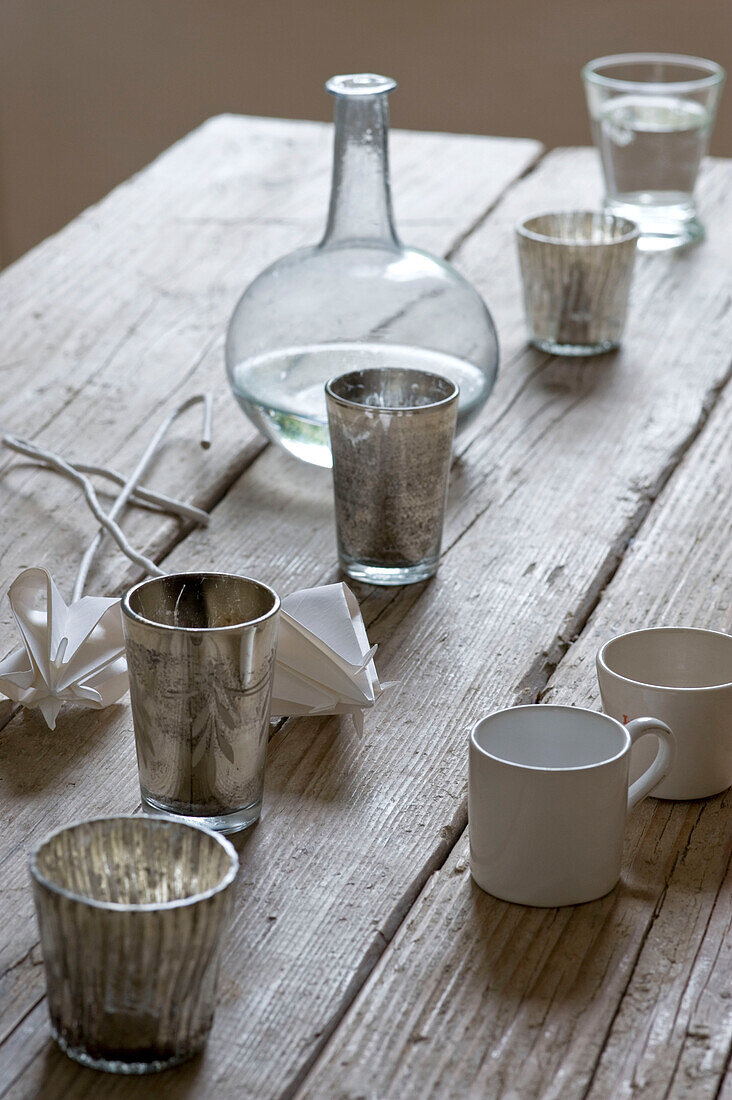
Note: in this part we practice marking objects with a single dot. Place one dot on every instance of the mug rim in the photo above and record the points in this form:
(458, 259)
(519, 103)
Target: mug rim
(602, 661)
(543, 768)
(135, 907)
(232, 628)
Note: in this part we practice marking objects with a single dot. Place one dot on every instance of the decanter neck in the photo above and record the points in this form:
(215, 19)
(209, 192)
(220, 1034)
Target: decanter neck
(360, 198)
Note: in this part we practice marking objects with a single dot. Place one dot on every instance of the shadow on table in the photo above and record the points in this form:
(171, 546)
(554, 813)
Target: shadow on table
(315, 759)
(527, 958)
(280, 493)
(576, 376)
(34, 757)
(62, 1077)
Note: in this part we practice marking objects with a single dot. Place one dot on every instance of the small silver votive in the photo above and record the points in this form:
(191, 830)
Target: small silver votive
(391, 432)
(576, 269)
(132, 912)
(200, 654)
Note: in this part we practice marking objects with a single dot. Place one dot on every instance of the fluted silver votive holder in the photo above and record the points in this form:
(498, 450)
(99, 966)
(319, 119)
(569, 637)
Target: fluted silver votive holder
(132, 913)
(576, 268)
(200, 654)
(391, 433)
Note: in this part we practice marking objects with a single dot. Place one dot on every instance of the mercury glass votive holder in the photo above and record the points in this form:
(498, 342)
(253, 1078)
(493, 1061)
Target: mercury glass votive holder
(200, 653)
(576, 268)
(391, 432)
(132, 914)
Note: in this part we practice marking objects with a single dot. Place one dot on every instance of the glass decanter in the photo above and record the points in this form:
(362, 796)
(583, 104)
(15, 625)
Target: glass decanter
(358, 299)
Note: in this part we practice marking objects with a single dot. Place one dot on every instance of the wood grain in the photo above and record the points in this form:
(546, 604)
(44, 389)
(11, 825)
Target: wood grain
(107, 325)
(548, 489)
(627, 996)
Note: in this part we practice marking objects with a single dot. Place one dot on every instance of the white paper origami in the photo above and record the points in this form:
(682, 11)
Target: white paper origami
(324, 663)
(70, 653)
(76, 653)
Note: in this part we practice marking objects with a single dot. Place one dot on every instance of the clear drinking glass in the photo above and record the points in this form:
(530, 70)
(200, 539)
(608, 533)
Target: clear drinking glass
(132, 913)
(391, 433)
(359, 299)
(576, 271)
(200, 654)
(652, 116)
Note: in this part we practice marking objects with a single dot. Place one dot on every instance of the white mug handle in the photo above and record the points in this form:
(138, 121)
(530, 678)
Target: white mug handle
(662, 763)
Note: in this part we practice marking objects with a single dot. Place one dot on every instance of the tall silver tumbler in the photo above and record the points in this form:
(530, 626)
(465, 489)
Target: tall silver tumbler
(391, 433)
(200, 652)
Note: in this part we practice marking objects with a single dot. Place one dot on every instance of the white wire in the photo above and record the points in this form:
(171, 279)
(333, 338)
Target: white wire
(160, 502)
(131, 483)
(130, 488)
(62, 467)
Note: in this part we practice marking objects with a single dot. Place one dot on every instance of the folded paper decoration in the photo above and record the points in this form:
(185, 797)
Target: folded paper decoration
(71, 652)
(324, 663)
(76, 653)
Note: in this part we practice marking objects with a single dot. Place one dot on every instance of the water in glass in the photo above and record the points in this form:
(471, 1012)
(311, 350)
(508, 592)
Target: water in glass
(652, 116)
(656, 142)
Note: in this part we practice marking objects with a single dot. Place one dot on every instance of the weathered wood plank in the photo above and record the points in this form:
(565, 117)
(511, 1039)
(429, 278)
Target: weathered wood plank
(541, 509)
(108, 323)
(725, 1091)
(124, 311)
(627, 996)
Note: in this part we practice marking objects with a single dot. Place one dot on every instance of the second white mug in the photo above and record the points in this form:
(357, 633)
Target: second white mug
(548, 798)
(683, 676)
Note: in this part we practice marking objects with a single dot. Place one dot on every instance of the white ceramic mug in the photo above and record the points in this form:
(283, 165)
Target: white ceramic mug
(684, 677)
(548, 798)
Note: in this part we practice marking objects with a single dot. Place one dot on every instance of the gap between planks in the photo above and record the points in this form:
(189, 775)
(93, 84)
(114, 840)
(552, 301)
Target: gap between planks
(168, 541)
(694, 456)
(531, 689)
(380, 609)
(170, 536)
(87, 352)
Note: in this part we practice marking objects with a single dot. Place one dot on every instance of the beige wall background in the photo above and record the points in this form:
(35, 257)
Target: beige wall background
(91, 90)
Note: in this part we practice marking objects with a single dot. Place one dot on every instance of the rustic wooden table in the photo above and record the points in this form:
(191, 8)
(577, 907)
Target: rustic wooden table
(589, 497)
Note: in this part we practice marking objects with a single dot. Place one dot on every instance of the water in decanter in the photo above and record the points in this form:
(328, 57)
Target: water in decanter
(283, 392)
